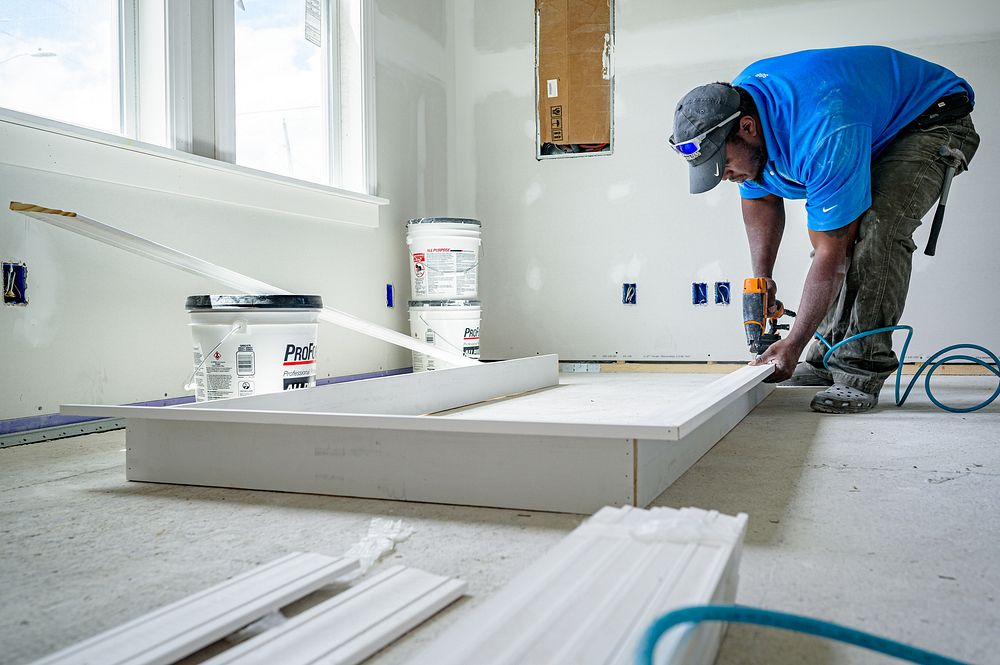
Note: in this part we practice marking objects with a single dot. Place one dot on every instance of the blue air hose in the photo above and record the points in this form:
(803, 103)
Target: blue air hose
(933, 363)
(793, 622)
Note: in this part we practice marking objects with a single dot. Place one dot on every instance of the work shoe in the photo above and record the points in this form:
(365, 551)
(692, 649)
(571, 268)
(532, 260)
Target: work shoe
(805, 375)
(840, 398)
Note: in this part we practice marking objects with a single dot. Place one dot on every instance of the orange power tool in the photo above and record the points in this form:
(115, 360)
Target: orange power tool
(762, 330)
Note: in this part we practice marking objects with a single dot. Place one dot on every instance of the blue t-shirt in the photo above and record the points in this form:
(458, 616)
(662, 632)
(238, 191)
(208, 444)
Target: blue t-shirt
(826, 113)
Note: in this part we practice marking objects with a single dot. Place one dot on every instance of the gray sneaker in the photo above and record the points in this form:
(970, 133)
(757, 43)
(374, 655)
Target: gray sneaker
(840, 398)
(805, 375)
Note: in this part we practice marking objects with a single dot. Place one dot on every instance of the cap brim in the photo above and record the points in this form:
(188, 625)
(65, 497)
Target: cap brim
(708, 174)
(708, 169)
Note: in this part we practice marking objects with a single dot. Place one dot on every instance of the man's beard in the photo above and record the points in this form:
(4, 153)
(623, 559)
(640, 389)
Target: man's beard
(757, 155)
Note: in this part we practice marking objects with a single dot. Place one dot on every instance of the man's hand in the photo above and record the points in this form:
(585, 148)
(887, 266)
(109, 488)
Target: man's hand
(772, 297)
(783, 355)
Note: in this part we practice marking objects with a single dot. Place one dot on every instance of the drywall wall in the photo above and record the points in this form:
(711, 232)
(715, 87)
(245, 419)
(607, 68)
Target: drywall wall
(561, 236)
(106, 327)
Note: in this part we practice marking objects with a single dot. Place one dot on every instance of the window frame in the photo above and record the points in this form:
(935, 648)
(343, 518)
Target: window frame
(165, 100)
(50, 146)
(202, 103)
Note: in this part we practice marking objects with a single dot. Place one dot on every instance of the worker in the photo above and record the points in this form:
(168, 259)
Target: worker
(857, 132)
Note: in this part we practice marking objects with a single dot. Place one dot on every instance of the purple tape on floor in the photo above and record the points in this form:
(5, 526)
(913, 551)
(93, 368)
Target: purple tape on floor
(28, 423)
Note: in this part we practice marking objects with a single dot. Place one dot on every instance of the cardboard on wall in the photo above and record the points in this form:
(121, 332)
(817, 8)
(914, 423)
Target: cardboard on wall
(574, 74)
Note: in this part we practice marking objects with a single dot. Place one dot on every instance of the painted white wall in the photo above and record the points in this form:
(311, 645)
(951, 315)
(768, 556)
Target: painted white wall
(561, 236)
(105, 327)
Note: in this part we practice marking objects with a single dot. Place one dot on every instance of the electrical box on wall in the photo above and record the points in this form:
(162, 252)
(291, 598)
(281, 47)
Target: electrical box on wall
(15, 283)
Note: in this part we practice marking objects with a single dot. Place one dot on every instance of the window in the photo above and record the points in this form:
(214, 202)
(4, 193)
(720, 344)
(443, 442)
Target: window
(273, 85)
(280, 90)
(60, 60)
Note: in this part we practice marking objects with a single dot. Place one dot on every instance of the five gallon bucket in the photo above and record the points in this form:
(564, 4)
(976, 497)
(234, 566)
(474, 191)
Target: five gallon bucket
(452, 325)
(253, 344)
(444, 257)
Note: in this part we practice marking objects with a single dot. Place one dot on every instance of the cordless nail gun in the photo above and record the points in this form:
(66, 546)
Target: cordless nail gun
(762, 329)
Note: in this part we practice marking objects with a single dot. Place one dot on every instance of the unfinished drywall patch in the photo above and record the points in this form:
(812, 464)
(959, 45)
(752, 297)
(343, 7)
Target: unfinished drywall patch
(429, 17)
(413, 148)
(574, 72)
(498, 29)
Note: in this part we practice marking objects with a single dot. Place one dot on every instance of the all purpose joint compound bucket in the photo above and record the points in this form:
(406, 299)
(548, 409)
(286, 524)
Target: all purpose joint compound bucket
(444, 257)
(253, 344)
(447, 324)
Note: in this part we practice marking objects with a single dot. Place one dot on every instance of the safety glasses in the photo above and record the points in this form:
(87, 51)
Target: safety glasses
(691, 148)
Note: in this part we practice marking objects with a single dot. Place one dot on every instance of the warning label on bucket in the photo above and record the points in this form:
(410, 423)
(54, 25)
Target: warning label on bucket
(419, 266)
(265, 358)
(446, 273)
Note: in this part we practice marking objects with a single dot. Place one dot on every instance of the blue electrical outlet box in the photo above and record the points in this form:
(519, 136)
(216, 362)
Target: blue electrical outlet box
(628, 293)
(15, 283)
(390, 296)
(699, 293)
(722, 293)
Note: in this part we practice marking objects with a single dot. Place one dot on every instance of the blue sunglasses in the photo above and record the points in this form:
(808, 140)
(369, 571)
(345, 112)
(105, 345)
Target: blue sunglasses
(691, 149)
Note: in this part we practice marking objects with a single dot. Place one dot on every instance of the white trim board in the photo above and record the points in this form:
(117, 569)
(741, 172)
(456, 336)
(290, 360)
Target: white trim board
(352, 625)
(549, 462)
(177, 630)
(115, 237)
(590, 598)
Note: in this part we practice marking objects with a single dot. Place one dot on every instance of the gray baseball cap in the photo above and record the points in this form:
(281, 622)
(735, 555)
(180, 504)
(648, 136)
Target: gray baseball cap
(702, 122)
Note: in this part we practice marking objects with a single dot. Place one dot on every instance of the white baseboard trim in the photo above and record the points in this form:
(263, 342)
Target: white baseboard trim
(590, 598)
(177, 630)
(352, 625)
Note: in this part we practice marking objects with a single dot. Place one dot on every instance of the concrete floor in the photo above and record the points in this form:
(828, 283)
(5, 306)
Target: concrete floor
(886, 521)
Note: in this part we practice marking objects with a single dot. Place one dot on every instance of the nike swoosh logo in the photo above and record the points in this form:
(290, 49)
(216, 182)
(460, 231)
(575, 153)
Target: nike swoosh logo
(830, 208)
(716, 169)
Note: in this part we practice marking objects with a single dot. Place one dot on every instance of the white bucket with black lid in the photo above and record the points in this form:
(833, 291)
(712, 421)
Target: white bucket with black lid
(444, 257)
(253, 344)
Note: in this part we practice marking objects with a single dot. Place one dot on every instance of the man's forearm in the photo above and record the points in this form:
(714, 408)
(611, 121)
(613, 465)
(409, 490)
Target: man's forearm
(822, 285)
(764, 220)
(826, 275)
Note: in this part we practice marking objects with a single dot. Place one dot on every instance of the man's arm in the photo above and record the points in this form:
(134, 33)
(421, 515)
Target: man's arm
(823, 282)
(764, 219)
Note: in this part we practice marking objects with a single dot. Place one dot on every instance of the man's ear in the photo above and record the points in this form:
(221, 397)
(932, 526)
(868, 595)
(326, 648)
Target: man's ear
(748, 125)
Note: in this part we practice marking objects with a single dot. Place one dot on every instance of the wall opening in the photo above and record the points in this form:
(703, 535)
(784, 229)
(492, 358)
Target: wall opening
(574, 77)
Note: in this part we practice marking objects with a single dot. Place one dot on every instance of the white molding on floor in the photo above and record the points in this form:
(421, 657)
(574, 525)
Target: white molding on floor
(538, 459)
(307, 407)
(591, 597)
(174, 631)
(705, 404)
(413, 394)
(352, 625)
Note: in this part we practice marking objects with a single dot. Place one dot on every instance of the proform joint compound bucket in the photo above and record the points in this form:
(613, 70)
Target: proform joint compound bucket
(253, 344)
(447, 324)
(444, 257)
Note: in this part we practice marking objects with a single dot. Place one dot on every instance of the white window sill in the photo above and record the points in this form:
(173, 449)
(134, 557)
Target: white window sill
(37, 143)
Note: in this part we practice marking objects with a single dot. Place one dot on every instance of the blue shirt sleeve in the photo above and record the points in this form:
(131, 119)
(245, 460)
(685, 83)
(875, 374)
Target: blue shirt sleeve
(838, 179)
(751, 190)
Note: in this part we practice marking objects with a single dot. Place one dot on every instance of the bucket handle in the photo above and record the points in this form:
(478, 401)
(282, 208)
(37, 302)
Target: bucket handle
(469, 269)
(439, 337)
(238, 326)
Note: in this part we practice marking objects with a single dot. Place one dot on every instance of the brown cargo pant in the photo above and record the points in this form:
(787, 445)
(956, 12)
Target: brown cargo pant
(906, 182)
